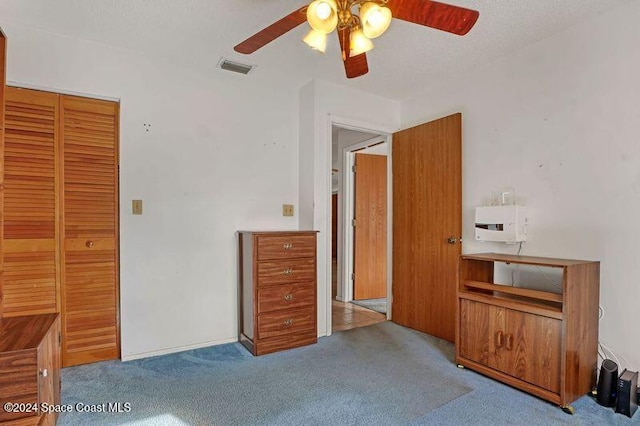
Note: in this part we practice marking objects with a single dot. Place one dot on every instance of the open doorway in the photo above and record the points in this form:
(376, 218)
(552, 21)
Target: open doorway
(359, 228)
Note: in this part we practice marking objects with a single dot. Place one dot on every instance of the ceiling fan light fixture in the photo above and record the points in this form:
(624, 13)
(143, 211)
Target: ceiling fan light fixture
(316, 40)
(359, 43)
(322, 15)
(375, 19)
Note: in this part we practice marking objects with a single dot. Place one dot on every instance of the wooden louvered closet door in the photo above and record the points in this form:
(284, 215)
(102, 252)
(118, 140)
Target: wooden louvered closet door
(30, 274)
(60, 218)
(90, 232)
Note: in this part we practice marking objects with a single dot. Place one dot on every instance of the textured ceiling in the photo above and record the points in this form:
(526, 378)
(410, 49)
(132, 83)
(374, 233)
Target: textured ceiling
(199, 32)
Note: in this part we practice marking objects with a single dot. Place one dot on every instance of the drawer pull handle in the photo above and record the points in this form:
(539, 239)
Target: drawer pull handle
(44, 372)
(288, 297)
(288, 271)
(287, 246)
(499, 339)
(89, 244)
(288, 323)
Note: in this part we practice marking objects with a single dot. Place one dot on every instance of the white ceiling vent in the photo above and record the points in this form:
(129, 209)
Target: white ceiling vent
(238, 67)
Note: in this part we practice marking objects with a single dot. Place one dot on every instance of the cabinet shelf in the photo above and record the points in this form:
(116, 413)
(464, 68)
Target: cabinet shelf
(517, 291)
(537, 307)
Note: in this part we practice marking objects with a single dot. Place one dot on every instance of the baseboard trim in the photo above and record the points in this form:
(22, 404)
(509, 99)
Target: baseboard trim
(175, 349)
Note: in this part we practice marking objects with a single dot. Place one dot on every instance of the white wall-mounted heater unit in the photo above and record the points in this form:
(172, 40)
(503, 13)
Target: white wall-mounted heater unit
(506, 224)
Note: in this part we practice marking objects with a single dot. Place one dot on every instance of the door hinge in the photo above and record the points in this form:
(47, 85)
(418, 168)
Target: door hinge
(353, 168)
(353, 277)
(353, 222)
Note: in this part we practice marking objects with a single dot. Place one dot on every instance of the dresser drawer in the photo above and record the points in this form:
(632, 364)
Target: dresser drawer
(274, 298)
(286, 322)
(286, 246)
(286, 271)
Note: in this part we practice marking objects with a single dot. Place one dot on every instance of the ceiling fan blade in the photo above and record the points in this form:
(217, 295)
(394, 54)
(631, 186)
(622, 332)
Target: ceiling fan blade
(273, 31)
(441, 16)
(355, 66)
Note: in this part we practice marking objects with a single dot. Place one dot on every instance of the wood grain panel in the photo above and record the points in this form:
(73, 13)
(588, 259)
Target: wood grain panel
(273, 31)
(582, 289)
(285, 246)
(291, 296)
(90, 249)
(49, 360)
(279, 343)
(479, 327)
(370, 232)
(3, 62)
(286, 271)
(31, 203)
(18, 382)
(286, 322)
(535, 353)
(427, 194)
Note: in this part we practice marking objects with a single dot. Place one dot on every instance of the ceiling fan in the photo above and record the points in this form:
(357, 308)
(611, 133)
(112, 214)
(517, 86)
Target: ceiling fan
(359, 21)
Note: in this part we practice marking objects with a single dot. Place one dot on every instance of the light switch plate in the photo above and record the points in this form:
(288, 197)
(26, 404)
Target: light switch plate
(136, 206)
(287, 210)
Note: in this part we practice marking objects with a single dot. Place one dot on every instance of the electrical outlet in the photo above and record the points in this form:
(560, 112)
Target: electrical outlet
(287, 210)
(136, 206)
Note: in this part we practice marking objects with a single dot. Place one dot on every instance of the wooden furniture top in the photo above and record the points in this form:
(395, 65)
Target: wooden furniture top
(278, 232)
(526, 260)
(20, 333)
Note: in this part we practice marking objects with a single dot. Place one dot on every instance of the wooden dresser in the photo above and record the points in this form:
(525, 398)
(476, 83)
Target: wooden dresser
(29, 368)
(277, 290)
(542, 342)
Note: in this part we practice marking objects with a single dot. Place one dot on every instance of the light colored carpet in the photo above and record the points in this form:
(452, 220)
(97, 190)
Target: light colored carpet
(378, 305)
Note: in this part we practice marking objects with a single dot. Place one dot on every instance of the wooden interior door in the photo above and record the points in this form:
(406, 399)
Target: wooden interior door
(427, 212)
(370, 231)
(90, 252)
(30, 275)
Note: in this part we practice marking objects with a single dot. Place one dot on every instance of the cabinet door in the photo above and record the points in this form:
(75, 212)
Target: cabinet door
(533, 344)
(482, 333)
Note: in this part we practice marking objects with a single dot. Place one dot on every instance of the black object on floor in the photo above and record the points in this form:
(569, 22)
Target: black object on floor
(627, 402)
(607, 383)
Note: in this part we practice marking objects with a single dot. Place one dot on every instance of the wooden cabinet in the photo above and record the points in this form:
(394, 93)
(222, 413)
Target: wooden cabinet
(29, 368)
(277, 290)
(542, 342)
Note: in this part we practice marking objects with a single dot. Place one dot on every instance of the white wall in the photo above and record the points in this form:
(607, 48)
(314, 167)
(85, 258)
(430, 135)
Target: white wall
(559, 121)
(221, 155)
(342, 105)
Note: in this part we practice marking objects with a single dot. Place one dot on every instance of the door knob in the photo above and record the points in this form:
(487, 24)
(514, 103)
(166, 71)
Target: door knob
(89, 244)
(452, 240)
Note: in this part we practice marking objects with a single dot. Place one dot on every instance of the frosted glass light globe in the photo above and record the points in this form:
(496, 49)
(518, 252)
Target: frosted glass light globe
(376, 18)
(323, 10)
